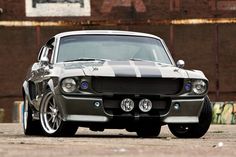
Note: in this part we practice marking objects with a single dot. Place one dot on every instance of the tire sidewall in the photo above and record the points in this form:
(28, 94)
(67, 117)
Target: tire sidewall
(25, 117)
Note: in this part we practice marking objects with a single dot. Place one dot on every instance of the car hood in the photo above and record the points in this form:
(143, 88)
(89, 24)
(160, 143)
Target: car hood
(129, 69)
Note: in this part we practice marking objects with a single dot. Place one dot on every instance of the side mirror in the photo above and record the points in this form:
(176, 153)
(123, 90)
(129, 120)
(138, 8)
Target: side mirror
(180, 63)
(44, 61)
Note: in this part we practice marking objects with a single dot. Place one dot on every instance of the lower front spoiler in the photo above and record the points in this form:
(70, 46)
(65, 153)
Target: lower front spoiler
(188, 112)
(82, 109)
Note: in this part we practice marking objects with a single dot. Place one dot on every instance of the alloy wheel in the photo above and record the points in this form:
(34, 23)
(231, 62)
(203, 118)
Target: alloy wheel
(50, 116)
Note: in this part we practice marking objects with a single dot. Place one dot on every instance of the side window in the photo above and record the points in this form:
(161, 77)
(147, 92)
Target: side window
(50, 49)
(47, 50)
(49, 54)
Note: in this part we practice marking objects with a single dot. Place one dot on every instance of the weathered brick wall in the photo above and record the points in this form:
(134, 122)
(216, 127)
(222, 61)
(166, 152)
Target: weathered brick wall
(133, 9)
(196, 44)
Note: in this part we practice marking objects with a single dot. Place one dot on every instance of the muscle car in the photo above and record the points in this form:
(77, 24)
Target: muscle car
(105, 79)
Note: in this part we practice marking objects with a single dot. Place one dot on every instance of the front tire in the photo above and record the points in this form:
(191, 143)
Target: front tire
(30, 126)
(194, 130)
(148, 131)
(51, 120)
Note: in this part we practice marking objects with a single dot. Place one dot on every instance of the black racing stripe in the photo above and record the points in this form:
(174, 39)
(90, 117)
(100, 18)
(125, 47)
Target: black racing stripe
(148, 69)
(122, 68)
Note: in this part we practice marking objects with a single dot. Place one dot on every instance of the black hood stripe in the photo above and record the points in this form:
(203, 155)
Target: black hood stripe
(122, 69)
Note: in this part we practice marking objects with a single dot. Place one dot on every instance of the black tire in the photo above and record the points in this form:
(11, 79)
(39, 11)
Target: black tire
(56, 127)
(195, 130)
(30, 126)
(148, 131)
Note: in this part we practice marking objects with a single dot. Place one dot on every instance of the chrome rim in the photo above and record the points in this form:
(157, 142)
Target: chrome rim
(25, 113)
(50, 116)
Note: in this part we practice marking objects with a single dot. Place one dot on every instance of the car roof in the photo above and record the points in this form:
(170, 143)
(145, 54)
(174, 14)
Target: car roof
(105, 32)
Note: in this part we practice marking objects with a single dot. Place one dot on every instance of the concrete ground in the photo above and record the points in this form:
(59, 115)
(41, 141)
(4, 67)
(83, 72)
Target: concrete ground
(220, 141)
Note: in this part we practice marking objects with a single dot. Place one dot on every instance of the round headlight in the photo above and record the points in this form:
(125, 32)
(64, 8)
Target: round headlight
(68, 85)
(199, 87)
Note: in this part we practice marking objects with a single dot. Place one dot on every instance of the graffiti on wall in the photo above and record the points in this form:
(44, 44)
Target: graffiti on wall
(46, 8)
(224, 113)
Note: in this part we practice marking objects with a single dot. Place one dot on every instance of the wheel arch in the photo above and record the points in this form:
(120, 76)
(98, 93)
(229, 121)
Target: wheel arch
(51, 85)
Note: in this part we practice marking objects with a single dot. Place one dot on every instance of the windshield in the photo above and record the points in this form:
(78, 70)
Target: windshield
(111, 47)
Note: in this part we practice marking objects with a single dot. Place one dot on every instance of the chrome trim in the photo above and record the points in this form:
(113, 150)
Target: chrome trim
(57, 39)
(181, 119)
(86, 118)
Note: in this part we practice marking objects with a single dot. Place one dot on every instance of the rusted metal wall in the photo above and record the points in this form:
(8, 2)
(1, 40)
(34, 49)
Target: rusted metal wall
(202, 32)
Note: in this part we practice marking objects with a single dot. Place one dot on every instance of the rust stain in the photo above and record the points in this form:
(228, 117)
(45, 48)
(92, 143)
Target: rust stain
(204, 21)
(108, 5)
(226, 5)
(174, 5)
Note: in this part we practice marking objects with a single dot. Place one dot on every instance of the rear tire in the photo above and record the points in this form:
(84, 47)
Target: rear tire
(30, 126)
(51, 120)
(195, 130)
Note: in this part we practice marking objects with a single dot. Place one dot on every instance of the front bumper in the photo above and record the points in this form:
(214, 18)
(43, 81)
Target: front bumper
(83, 109)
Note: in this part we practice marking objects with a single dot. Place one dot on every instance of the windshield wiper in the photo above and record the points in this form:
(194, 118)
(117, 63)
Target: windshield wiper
(86, 59)
(138, 59)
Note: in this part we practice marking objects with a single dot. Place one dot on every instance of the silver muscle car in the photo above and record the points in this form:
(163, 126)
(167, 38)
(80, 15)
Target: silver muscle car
(113, 80)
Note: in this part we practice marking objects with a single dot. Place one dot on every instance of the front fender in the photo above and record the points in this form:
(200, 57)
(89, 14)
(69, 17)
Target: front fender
(25, 90)
(51, 86)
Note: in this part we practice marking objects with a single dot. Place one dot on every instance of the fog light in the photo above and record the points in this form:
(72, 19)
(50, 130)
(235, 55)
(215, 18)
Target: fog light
(97, 104)
(127, 105)
(176, 106)
(145, 105)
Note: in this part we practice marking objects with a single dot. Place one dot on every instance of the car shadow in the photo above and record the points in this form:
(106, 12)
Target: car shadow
(104, 136)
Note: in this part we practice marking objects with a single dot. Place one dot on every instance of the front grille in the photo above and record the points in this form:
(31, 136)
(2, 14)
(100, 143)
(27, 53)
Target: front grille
(122, 85)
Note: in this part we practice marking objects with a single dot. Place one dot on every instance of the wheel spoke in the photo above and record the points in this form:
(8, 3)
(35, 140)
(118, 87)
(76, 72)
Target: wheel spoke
(53, 125)
(51, 108)
(57, 122)
(54, 103)
(50, 119)
(49, 113)
(53, 119)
